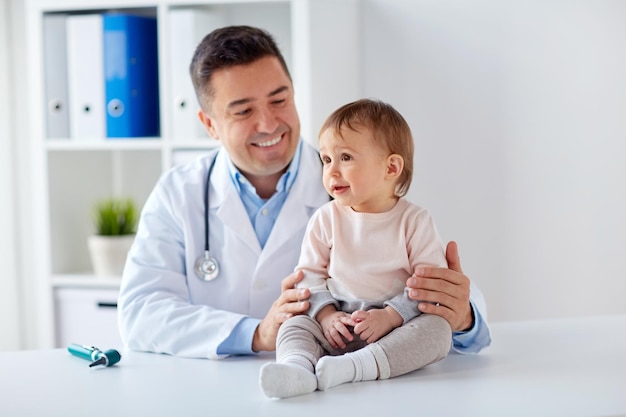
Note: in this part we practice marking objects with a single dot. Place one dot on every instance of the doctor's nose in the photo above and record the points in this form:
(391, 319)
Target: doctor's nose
(266, 121)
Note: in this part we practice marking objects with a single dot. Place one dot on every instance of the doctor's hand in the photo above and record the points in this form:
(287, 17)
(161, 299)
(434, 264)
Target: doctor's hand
(446, 290)
(291, 302)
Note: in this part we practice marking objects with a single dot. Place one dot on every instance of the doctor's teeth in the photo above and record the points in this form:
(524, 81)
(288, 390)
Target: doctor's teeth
(269, 142)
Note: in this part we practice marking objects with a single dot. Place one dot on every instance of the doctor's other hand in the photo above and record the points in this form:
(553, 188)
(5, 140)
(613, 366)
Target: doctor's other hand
(446, 290)
(291, 302)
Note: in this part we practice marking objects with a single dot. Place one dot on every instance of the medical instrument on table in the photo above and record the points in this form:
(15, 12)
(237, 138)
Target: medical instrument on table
(207, 267)
(98, 357)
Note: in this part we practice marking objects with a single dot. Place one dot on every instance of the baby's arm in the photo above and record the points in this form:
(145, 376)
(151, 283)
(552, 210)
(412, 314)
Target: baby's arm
(313, 262)
(373, 324)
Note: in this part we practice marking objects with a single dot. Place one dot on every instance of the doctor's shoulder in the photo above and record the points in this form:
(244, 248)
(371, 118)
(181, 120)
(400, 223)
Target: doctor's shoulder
(190, 169)
(190, 173)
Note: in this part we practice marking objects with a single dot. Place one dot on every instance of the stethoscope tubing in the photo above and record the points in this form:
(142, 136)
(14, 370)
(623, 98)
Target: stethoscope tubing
(207, 267)
(206, 204)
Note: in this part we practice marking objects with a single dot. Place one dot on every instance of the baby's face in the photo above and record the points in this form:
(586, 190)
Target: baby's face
(356, 170)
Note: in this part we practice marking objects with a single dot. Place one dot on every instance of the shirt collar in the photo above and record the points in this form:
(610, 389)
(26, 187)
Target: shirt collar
(284, 183)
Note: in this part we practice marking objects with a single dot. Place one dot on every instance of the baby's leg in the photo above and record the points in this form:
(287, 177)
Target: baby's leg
(419, 342)
(359, 365)
(297, 352)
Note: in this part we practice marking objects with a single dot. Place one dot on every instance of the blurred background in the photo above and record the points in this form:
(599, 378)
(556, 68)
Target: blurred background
(518, 113)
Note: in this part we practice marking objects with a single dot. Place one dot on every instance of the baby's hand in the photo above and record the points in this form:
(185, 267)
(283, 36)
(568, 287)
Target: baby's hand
(373, 324)
(335, 328)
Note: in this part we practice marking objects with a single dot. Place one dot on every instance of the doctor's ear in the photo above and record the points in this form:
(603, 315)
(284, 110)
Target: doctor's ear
(206, 121)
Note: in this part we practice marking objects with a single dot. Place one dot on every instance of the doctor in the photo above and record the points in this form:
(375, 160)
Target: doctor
(185, 295)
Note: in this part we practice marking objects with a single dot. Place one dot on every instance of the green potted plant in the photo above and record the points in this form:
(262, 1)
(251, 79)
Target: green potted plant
(116, 223)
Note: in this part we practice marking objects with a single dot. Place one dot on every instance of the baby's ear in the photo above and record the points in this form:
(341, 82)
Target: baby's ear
(395, 165)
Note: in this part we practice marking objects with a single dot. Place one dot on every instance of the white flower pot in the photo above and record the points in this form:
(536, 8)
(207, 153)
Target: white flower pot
(108, 254)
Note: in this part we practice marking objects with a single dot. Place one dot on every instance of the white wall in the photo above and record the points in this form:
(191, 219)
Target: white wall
(9, 311)
(518, 109)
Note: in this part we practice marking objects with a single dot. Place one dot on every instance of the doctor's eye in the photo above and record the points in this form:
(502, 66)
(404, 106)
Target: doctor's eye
(279, 101)
(243, 112)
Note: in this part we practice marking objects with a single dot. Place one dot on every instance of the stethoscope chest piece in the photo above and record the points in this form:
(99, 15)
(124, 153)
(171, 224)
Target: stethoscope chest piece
(207, 268)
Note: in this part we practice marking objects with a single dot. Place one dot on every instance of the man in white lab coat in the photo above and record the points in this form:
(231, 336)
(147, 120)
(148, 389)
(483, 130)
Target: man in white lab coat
(263, 185)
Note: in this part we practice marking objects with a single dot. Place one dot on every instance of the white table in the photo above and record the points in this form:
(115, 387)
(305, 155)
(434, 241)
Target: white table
(574, 367)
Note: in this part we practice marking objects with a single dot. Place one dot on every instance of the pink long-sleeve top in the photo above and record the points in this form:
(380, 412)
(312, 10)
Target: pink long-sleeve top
(362, 260)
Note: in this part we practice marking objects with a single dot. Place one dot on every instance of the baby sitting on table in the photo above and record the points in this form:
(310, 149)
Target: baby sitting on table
(357, 253)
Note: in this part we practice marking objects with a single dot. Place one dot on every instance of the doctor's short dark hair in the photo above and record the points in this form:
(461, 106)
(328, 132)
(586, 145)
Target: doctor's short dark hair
(228, 47)
(388, 129)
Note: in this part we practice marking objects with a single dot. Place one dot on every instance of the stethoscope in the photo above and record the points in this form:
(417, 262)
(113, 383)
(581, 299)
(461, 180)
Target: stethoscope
(207, 268)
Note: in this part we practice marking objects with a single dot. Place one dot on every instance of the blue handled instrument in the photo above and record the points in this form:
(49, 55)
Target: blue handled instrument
(96, 356)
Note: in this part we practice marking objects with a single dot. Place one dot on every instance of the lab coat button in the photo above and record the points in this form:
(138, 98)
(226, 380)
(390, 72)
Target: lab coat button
(259, 285)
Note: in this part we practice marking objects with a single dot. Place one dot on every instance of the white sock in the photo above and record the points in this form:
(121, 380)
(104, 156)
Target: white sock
(350, 367)
(281, 380)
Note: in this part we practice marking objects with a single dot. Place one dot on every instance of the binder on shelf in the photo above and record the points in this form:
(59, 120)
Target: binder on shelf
(55, 73)
(131, 76)
(85, 74)
(188, 27)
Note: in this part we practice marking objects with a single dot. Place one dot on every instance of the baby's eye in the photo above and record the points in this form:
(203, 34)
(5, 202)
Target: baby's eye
(325, 160)
(346, 157)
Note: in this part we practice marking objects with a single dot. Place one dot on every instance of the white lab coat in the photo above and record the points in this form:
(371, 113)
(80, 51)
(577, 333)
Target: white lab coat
(163, 306)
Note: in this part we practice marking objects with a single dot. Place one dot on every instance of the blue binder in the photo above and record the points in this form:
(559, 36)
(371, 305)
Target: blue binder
(131, 76)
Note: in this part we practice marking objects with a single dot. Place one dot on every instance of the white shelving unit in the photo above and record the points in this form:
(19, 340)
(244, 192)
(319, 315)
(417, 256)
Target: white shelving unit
(319, 39)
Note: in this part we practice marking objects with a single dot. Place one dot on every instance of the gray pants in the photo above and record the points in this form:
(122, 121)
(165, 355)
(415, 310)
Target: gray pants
(419, 342)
